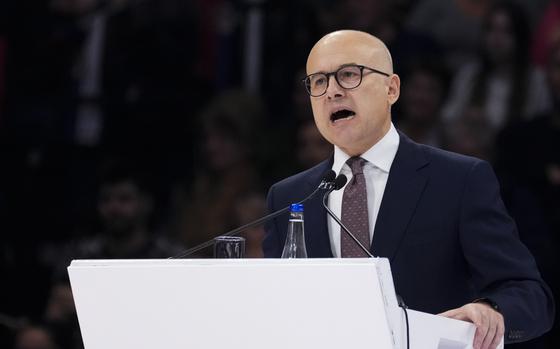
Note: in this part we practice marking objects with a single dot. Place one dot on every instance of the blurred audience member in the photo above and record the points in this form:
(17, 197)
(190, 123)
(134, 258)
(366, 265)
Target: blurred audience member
(501, 84)
(60, 305)
(248, 208)
(455, 24)
(422, 97)
(35, 337)
(125, 207)
(470, 135)
(227, 168)
(60, 316)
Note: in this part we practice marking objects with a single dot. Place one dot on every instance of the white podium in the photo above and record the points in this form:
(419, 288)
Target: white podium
(250, 304)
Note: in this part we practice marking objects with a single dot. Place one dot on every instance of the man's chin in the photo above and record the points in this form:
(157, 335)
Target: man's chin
(343, 140)
(351, 147)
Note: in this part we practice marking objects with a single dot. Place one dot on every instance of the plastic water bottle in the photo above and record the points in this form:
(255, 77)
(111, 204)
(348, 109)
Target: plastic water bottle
(295, 239)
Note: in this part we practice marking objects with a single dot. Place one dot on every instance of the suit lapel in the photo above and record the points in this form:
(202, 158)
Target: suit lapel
(403, 190)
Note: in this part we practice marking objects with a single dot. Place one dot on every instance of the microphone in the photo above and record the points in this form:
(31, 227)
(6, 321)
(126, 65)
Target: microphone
(339, 182)
(328, 182)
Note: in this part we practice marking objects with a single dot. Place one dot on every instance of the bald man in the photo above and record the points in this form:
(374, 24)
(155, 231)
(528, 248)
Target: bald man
(437, 216)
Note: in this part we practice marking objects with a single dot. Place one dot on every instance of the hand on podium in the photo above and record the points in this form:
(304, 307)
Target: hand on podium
(488, 321)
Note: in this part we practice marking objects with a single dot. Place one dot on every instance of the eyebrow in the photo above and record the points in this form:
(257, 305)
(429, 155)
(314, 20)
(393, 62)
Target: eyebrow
(340, 66)
(347, 64)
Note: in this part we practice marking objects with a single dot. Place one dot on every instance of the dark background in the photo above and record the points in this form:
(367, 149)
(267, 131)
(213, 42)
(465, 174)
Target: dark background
(198, 106)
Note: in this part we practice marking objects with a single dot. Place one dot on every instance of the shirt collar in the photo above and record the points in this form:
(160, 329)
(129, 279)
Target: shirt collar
(380, 155)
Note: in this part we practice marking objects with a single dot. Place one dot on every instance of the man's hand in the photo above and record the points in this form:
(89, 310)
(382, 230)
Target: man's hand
(489, 323)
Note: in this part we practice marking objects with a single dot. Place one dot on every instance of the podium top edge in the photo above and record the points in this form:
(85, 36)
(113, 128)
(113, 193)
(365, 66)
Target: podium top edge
(210, 262)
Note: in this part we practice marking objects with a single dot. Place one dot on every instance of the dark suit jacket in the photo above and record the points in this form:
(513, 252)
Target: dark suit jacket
(446, 232)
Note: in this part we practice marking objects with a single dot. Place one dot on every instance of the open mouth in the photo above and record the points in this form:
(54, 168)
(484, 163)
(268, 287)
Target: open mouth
(342, 114)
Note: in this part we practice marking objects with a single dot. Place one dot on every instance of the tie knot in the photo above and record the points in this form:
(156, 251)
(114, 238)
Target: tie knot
(356, 164)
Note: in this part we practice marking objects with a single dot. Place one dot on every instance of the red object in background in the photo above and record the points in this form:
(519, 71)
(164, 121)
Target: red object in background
(547, 34)
(206, 65)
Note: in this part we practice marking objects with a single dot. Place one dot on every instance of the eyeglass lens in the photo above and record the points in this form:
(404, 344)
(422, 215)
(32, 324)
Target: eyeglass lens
(347, 77)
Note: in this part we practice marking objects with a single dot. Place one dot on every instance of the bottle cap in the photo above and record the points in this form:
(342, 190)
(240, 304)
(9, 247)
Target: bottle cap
(296, 208)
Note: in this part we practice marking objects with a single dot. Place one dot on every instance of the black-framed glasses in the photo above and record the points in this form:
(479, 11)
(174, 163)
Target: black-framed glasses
(348, 76)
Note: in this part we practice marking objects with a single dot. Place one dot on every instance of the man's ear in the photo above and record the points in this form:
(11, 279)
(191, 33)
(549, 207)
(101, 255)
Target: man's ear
(394, 90)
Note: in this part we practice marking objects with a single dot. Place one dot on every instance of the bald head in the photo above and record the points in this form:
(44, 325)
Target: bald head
(352, 117)
(366, 48)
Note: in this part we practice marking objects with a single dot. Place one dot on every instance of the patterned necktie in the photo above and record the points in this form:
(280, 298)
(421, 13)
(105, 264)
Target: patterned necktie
(355, 211)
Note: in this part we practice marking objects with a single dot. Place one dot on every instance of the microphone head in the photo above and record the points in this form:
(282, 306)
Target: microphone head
(340, 181)
(328, 176)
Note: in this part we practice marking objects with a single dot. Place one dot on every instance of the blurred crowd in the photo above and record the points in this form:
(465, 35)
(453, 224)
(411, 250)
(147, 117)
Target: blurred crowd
(140, 128)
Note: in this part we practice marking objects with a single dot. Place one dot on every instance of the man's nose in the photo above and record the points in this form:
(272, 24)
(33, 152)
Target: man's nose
(333, 89)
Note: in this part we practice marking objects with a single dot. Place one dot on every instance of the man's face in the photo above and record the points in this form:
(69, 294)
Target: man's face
(122, 207)
(366, 107)
(500, 39)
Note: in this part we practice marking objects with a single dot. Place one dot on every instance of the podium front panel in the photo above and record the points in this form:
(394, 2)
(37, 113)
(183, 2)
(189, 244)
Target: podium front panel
(247, 303)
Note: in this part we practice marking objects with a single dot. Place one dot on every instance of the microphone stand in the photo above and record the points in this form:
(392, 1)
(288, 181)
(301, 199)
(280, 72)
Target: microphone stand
(326, 184)
(333, 216)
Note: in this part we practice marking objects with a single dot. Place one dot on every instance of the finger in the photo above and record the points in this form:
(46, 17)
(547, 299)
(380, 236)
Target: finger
(481, 323)
(499, 332)
(449, 313)
(490, 335)
(455, 314)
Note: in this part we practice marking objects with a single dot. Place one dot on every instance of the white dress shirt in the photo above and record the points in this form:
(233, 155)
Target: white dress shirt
(376, 171)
